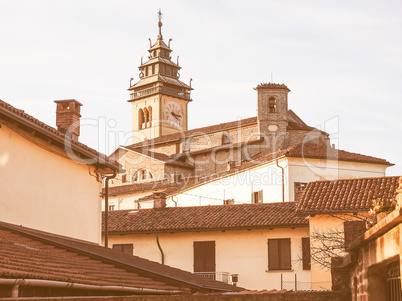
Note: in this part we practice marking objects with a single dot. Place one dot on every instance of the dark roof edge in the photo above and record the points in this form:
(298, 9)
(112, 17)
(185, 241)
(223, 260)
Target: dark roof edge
(13, 228)
(210, 229)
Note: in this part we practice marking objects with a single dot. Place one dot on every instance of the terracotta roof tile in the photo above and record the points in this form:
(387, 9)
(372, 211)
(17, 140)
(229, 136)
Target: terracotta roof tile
(48, 130)
(205, 218)
(29, 253)
(161, 157)
(141, 187)
(350, 195)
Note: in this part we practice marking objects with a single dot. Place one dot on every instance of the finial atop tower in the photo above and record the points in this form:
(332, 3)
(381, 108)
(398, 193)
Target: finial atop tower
(160, 25)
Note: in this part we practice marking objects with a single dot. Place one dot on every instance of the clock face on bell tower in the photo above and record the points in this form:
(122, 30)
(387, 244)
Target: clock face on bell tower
(173, 114)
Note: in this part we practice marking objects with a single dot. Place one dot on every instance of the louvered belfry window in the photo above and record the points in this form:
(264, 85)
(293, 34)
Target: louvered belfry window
(279, 254)
(204, 256)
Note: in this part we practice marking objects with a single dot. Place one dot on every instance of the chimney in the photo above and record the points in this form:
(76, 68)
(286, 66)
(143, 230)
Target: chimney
(68, 117)
(230, 165)
(159, 200)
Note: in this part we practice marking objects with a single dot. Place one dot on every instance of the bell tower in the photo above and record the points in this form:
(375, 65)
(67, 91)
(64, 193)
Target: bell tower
(272, 114)
(159, 99)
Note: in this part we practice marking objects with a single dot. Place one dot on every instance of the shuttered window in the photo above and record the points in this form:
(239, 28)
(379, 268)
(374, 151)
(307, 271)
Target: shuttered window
(352, 230)
(279, 254)
(204, 256)
(256, 197)
(306, 253)
(124, 248)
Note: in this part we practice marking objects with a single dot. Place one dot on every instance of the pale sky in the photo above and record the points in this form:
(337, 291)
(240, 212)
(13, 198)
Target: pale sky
(342, 61)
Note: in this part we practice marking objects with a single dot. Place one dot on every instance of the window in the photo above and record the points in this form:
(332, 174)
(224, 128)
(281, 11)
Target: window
(123, 178)
(279, 254)
(141, 119)
(150, 116)
(146, 71)
(299, 189)
(124, 248)
(226, 138)
(153, 69)
(111, 207)
(352, 230)
(142, 175)
(271, 105)
(256, 197)
(204, 256)
(306, 253)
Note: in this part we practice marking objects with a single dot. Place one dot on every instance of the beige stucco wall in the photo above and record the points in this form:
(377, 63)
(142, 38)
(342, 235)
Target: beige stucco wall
(237, 252)
(324, 223)
(45, 191)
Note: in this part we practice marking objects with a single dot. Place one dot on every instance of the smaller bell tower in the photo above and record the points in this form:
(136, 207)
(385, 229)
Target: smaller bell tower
(272, 114)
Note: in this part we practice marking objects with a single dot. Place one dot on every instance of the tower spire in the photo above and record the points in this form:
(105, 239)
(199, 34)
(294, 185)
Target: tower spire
(160, 25)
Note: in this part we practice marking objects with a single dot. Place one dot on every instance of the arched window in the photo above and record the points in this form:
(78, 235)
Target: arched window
(142, 175)
(226, 138)
(150, 115)
(146, 116)
(271, 105)
(141, 119)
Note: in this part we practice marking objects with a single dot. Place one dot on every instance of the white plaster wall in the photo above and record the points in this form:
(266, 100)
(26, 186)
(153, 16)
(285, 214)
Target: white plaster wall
(308, 170)
(42, 190)
(237, 252)
(267, 177)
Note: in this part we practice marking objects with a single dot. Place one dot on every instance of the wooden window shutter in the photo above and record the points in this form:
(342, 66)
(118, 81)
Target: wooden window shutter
(279, 257)
(204, 256)
(260, 196)
(273, 254)
(306, 253)
(285, 258)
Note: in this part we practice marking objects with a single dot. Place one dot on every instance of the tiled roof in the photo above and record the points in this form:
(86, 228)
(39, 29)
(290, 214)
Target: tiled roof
(294, 123)
(319, 151)
(30, 254)
(205, 218)
(350, 195)
(9, 111)
(161, 157)
(272, 85)
(140, 187)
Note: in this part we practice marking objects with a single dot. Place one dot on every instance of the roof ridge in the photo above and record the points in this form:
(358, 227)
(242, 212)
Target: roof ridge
(53, 130)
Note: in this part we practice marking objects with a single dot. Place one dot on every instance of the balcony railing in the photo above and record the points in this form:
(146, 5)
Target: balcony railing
(164, 90)
(218, 276)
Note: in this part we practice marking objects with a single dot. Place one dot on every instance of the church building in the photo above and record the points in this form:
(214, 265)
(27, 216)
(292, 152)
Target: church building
(165, 152)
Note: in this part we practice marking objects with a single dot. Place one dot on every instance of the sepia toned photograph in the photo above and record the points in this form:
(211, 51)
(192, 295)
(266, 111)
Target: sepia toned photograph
(200, 150)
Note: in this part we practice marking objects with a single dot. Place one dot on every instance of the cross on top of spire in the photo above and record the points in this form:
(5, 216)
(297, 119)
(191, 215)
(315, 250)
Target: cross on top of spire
(160, 15)
(160, 25)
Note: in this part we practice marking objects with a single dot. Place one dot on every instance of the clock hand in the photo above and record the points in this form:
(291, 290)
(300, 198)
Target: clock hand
(177, 116)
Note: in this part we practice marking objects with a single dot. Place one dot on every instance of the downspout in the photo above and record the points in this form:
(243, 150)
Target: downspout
(283, 181)
(107, 206)
(160, 249)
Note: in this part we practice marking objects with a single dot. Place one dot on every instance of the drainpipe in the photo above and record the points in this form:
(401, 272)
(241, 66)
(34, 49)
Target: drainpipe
(283, 180)
(160, 249)
(107, 206)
